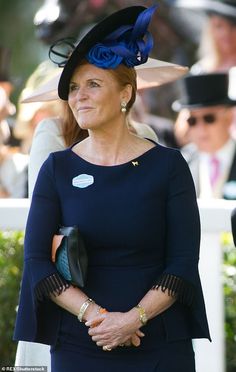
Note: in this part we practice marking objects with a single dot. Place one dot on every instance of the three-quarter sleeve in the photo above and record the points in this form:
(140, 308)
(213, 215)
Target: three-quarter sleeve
(40, 276)
(43, 222)
(180, 276)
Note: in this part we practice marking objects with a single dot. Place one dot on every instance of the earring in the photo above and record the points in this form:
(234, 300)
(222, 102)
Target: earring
(123, 106)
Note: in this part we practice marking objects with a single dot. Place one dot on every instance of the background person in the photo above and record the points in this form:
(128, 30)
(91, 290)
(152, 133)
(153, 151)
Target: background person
(99, 100)
(7, 108)
(217, 47)
(13, 164)
(28, 116)
(211, 154)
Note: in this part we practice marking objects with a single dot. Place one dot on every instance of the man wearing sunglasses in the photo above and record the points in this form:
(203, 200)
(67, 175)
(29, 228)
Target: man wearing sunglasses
(211, 154)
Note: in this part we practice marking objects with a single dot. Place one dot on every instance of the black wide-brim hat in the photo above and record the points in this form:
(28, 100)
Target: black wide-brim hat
(224, 8)
(204, 90)
(126, 16)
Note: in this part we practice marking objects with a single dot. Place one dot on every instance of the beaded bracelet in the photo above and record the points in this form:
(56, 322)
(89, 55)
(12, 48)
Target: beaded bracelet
(83, 308)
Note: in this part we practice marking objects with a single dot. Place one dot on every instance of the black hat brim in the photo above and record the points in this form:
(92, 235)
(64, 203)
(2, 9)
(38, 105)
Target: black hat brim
(97, 34)
(181, 104)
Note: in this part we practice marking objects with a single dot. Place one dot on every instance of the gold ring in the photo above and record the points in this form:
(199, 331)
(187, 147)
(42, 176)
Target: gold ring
(106, 348)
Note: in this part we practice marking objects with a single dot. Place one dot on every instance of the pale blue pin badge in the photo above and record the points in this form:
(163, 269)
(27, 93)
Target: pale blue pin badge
(82, 181)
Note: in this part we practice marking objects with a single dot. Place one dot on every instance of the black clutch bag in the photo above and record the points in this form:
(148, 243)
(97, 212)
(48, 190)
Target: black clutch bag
(70, 256)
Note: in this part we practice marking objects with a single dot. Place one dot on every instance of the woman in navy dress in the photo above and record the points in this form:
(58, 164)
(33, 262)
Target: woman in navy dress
(135, 205)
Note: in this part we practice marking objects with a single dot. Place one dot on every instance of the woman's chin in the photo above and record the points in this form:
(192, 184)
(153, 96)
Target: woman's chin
(85, 125)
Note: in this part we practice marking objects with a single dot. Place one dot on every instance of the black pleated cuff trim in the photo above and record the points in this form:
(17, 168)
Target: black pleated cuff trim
(176, 287)
(52, 285)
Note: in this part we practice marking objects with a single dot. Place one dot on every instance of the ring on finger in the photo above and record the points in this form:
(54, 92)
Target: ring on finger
(106, 348)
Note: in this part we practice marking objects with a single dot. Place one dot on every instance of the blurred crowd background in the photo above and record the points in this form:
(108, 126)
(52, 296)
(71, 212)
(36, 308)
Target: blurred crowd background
(183, 33)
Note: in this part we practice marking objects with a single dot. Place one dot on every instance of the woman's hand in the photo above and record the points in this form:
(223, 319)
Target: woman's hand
(135, 339)
(115, 329)
(92, 312)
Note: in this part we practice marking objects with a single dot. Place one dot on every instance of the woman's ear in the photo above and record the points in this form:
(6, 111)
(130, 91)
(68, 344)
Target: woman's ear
(126, 93)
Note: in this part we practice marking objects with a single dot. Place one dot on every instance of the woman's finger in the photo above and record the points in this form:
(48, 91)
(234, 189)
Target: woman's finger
(101, 343)
(107, 348)
(95, 321)
(139, 333)
(135, 340)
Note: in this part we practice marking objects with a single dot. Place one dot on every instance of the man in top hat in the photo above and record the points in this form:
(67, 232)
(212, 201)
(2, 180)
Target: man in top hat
(211, 155)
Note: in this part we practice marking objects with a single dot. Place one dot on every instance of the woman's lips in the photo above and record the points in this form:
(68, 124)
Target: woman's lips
(84, 108)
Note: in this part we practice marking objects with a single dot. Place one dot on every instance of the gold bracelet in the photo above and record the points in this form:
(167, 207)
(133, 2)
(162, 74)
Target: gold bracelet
(142, 314)
(83, 308)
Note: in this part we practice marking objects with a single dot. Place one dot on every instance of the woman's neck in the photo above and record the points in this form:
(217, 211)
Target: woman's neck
(106, 147)
(111, 148)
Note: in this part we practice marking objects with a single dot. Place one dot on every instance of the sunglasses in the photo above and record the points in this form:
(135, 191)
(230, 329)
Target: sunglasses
(207, 119)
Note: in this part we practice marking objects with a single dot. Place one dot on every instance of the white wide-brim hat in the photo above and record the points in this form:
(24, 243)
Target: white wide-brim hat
(151, 74)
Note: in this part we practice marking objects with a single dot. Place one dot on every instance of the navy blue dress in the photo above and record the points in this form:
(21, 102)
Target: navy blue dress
(140, 223)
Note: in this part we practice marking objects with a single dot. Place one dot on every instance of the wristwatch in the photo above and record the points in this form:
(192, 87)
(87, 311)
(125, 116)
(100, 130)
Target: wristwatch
(142, 314)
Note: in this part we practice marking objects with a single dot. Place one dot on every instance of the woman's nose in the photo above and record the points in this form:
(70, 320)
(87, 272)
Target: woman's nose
(81, 94)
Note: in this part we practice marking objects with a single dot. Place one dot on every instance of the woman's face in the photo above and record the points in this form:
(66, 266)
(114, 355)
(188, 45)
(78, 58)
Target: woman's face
(95, 97)
(224, 34)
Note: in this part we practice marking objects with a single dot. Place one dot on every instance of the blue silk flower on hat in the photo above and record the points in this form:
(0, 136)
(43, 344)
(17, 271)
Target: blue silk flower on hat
(129, 44)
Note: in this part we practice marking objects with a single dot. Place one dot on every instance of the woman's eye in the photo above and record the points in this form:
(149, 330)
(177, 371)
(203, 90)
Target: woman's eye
(93, 84)
(73, 87)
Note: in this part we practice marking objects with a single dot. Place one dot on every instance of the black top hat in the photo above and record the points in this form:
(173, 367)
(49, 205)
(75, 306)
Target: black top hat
(224, 8)
(97, 34)
(5, 56)
(204, 90)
